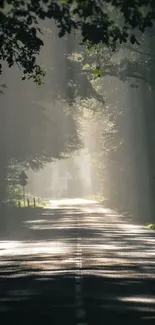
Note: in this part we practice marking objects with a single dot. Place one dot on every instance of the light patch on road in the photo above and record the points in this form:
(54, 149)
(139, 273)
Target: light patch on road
(96, 247)
(140, 299)
(94, 209)
(39, 221)
(69, 202)
(48, 226)
(19, 248)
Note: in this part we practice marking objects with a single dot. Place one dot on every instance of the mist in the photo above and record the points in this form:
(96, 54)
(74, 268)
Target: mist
(76, 136)
(77, 182)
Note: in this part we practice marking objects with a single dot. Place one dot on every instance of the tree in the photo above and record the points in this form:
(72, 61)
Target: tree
(12, 182)
(32, 132)
(101, 34)
(123, 150)
(20, 33)
(65, 80)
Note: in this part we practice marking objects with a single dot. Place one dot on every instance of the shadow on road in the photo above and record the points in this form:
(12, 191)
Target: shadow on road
(49, 299)
(119, 300)
(37, 299)
(38, 269)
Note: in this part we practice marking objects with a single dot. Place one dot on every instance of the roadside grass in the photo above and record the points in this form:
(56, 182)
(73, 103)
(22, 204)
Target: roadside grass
(151, 226)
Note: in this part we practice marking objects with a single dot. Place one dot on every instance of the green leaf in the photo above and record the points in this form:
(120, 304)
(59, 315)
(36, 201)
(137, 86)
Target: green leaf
(97, 72)
(86, 66)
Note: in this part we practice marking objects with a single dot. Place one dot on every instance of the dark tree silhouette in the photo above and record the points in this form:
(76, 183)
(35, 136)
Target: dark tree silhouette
(20, 34)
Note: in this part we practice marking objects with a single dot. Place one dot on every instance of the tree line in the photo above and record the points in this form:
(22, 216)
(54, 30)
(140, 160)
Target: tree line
(87, 44)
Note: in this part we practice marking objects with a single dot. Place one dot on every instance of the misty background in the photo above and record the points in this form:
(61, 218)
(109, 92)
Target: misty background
(80, 135)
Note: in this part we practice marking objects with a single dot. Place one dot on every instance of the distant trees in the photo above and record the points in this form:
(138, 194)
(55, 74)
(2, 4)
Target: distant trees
(132, 175)
(99, 39)
(32, 133)
(124, 154)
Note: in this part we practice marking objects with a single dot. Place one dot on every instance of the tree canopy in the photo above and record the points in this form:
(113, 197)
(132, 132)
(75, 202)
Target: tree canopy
(95, 21)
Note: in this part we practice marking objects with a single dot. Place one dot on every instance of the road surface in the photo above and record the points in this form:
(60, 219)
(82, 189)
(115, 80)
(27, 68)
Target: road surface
(76, 262)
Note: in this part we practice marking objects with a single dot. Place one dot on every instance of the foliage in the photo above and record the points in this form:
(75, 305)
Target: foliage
(31, 134)
(151, 226)
(12, 182)
(21, 36)
(66, 79)
(28, 127)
